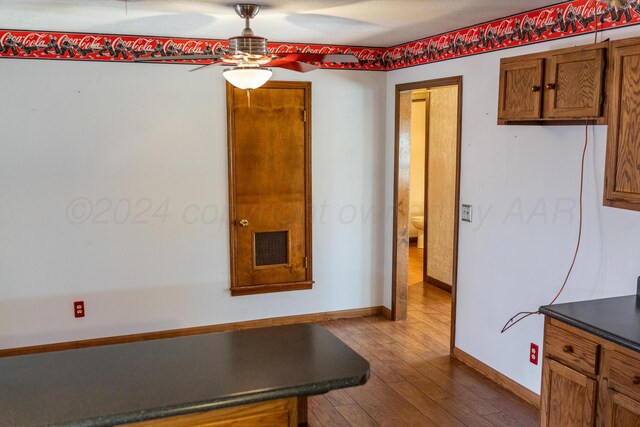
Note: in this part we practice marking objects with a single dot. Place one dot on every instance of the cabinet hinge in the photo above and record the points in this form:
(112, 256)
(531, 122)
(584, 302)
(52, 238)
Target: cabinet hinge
(306, 262)
(304, 116)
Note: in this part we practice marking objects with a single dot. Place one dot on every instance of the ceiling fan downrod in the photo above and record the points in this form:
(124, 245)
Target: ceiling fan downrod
(247, 12)
(247, 49)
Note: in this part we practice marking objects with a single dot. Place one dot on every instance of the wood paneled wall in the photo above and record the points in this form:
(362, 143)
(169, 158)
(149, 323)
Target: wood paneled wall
(441, 191)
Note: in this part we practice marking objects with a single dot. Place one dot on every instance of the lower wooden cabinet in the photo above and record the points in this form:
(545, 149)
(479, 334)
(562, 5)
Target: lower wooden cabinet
(570, 399)
(587, 380)
(621, 411)
(272, 413)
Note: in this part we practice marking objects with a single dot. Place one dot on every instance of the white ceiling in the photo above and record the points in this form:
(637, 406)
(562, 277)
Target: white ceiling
(352, 22)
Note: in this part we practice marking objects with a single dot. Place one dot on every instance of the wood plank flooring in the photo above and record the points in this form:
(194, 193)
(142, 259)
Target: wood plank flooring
(416, 257)
(413, 381)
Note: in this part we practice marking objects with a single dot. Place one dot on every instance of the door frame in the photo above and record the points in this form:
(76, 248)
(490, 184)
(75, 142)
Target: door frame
(400, 261)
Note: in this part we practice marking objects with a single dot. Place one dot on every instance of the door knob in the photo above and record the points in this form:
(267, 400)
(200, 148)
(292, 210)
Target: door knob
(244, 222)
(535, 88)
(550, 86)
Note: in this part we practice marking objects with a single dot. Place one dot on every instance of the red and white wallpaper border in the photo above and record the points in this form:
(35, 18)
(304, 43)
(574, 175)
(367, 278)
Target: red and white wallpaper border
(549, 23)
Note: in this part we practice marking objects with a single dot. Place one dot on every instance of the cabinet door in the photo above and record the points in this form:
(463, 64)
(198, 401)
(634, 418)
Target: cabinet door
(622, 174)
(520, 95)
(621, 411)
(270, 188)
(568, 397)
(574, 84)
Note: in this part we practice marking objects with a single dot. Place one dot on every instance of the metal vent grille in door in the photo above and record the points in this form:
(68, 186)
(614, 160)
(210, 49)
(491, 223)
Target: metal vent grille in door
(271, 248)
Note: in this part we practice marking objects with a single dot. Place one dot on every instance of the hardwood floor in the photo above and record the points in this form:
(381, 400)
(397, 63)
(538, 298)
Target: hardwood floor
(413, 381)
(415, 265)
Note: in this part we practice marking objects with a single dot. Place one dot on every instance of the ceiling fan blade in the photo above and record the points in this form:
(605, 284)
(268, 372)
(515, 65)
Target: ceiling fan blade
(341, 58)
(203, 66)
(178, 58)
(301, 67)
(321, 57)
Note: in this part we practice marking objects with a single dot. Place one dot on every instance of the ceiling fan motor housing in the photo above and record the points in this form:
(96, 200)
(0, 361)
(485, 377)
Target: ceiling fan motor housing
(251, 45)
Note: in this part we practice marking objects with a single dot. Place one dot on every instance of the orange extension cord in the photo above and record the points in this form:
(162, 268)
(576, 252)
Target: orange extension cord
(524, 314)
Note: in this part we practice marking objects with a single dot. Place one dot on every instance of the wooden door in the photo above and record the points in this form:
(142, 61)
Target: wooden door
(440, 186)
(621, 411)
(573, 87)
(520, 94)
(622, 174)
(568, 397)
(270, 187)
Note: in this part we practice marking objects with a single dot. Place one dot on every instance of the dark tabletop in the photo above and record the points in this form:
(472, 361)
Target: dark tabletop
(145, 380)
(615, 319)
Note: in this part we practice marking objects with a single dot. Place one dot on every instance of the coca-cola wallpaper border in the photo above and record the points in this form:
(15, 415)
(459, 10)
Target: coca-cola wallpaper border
(124, 48)
(549, 23)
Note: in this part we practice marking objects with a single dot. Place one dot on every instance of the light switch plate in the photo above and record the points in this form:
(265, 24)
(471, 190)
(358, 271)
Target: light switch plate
(466, 213)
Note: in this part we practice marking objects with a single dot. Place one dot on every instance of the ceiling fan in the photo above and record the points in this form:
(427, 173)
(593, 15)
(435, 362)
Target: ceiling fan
(250, 59)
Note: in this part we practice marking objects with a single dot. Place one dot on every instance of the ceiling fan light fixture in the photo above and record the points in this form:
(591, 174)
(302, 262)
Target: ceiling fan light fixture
(247, 78)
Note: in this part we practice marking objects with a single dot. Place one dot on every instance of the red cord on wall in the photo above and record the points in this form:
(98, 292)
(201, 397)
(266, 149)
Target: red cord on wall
(524, 314)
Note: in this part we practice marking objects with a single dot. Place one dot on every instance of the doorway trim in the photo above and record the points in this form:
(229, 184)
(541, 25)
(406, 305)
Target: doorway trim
(400, 262)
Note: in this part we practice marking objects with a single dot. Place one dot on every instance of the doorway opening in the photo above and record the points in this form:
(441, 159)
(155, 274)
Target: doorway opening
(426, 196)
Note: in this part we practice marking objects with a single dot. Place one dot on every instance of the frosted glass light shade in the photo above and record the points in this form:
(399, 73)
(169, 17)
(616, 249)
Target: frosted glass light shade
(247, 77)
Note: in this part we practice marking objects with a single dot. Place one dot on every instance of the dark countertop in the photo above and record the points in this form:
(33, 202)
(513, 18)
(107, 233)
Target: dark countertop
(615, 319)
(124, 383)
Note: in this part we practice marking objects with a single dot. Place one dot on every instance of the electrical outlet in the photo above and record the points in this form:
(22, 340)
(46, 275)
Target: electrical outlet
(78, 309)
(534, 353)
(466, 213)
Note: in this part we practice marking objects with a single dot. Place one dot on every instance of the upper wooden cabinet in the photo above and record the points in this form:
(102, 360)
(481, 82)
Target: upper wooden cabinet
(622, 171)
(520, 89)
(553, 87)
(574, 83)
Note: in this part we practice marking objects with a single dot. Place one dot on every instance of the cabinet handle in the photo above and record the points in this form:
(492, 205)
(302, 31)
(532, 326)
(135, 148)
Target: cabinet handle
(535, 88)
(635, 380)
(550, 86)
(244, 223)
(567, 348)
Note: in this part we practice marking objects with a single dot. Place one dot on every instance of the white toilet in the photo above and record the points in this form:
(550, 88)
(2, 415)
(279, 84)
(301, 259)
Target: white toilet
(418, 222)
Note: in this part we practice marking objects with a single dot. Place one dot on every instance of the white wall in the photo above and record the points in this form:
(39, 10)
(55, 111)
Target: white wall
(155, 133)
(81, 138)
(519, 179)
